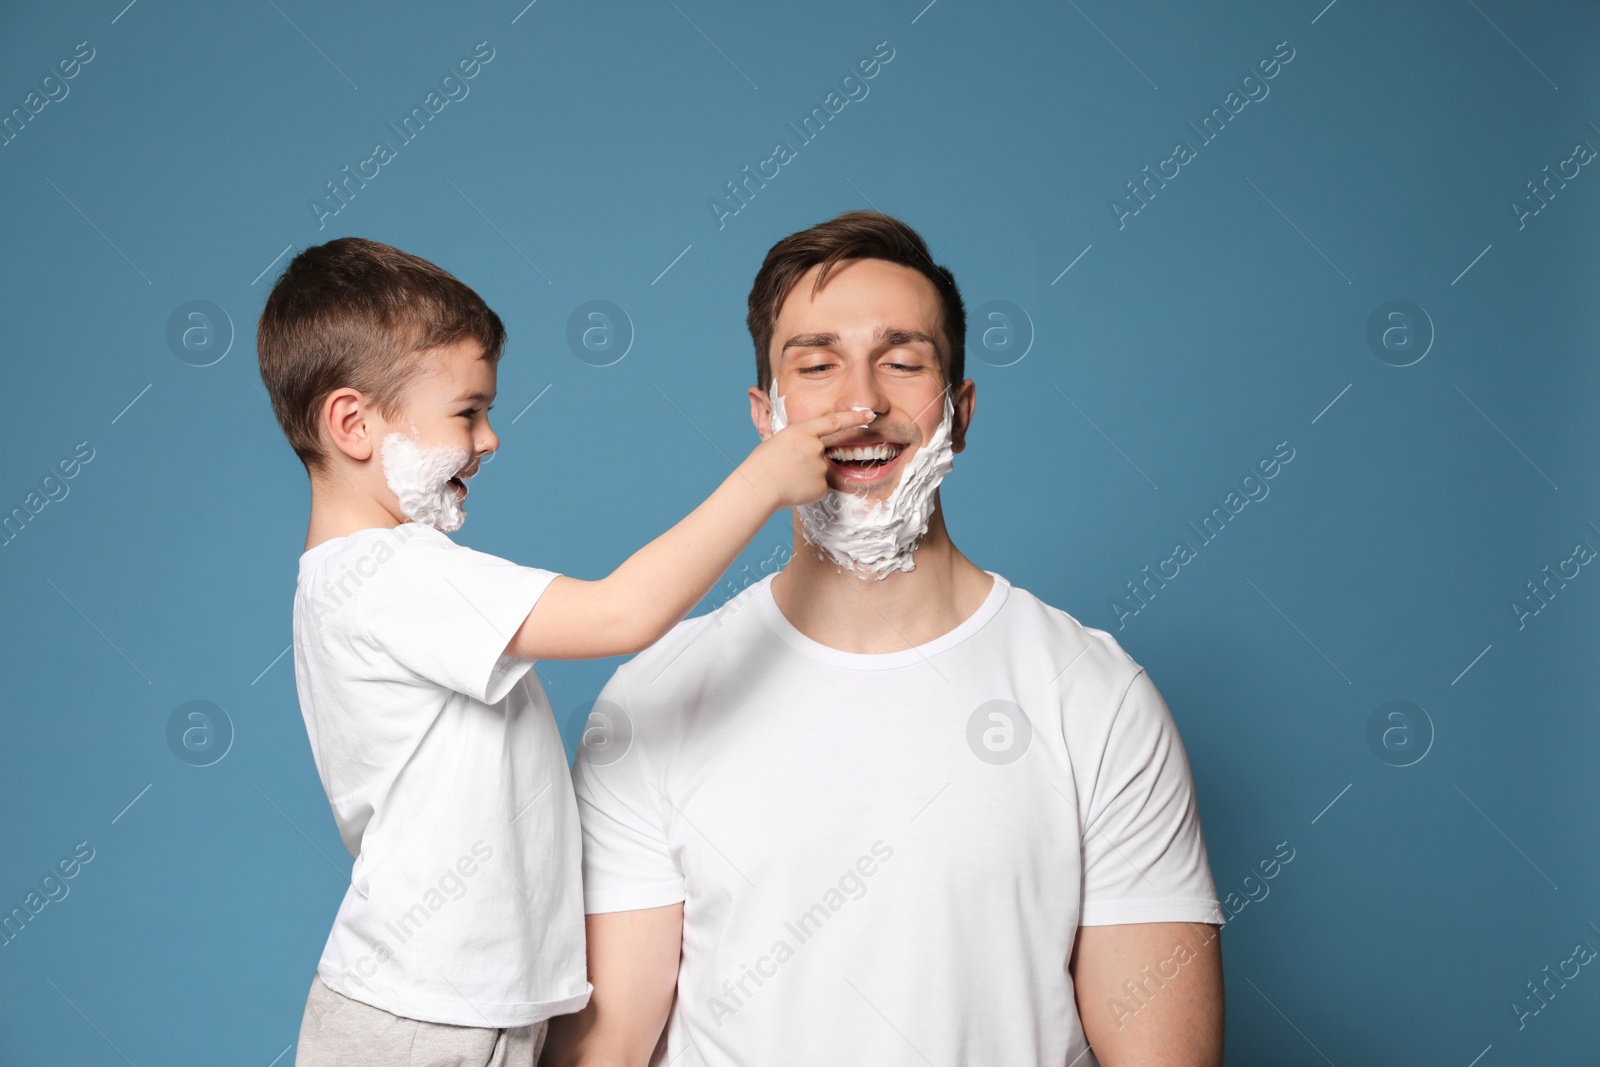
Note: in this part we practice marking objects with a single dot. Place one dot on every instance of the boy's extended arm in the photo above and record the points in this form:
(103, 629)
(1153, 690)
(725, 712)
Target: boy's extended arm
(655, 588)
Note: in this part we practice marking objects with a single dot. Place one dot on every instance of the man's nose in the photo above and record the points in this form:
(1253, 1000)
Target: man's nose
(860, 387)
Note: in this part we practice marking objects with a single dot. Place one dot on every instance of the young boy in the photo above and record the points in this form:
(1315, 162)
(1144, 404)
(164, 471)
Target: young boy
(462, 930)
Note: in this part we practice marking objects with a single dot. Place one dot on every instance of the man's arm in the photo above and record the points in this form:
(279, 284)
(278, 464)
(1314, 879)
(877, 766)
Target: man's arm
(1150, 994)
(633, 966)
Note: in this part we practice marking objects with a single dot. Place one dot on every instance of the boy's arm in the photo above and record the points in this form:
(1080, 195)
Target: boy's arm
(633, 966)
(630, 609)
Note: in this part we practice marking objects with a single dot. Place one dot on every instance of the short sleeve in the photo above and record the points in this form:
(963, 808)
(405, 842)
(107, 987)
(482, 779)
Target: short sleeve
(628, 861)
(445, 613)
(1144, 857)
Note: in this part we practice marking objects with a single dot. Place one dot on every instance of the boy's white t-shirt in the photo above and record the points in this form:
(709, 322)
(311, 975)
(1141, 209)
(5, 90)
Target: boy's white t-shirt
(448, 781)
(885, 859)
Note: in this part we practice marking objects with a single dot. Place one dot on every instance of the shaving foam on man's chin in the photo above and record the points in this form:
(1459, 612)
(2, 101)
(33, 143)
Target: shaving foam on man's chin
(875, 538)
(419, 476)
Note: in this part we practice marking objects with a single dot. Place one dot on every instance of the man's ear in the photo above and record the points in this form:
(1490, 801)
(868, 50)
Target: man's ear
(966, 401)
(761, 411)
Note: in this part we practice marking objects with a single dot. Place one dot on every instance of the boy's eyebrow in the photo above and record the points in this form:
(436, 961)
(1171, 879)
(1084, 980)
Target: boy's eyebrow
(479, 397)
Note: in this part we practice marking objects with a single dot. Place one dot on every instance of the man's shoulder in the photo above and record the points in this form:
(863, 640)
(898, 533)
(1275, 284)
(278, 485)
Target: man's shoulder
(698, 644)
(1082, 650)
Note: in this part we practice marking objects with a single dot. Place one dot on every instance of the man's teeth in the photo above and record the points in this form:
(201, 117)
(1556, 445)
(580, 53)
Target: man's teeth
(863, 454)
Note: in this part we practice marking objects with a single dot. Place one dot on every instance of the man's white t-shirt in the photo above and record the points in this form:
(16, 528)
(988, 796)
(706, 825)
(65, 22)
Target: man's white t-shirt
(448, 780)
(885, 859)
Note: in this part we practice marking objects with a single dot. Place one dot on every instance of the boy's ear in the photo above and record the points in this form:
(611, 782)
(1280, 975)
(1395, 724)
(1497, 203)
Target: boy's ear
(346, 420)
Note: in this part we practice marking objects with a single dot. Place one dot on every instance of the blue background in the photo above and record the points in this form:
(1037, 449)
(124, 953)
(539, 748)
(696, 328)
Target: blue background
(1229, 314)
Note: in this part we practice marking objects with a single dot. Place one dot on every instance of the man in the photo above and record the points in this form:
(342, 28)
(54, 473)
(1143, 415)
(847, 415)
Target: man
(884, 807)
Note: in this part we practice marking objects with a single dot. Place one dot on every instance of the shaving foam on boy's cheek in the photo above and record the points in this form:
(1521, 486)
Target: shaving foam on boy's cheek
(875, 538)
(420, 477)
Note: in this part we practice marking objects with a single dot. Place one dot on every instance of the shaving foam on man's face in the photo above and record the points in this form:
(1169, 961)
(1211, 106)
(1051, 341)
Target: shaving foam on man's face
(871, 537)
(423, 479)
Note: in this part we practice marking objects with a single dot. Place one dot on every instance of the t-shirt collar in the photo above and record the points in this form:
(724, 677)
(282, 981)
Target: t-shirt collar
(877, 661)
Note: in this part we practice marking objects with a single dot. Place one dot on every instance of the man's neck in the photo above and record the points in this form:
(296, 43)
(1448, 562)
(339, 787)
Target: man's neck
(908, 608)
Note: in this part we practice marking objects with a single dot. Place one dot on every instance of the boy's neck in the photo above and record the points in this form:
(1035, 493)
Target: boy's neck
(340, 508)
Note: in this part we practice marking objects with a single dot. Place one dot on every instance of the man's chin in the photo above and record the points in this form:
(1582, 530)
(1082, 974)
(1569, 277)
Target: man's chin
(872, 492)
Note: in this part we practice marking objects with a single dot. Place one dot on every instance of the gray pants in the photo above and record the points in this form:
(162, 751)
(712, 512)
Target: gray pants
(337, 1031)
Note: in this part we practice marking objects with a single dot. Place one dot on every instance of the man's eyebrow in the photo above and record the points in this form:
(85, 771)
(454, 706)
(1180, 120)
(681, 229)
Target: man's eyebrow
(894, 335)
(810, 340)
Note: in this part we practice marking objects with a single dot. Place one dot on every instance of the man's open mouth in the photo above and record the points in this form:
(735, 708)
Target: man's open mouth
(867, 461)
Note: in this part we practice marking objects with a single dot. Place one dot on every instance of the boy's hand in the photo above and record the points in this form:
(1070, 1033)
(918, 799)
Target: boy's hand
(792, 464)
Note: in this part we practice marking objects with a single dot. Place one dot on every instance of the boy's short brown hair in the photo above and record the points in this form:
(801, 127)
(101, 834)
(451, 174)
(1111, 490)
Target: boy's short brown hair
(853, 235)
(360, 314)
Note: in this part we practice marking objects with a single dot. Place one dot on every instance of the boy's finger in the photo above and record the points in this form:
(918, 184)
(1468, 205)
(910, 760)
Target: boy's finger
(834, 421)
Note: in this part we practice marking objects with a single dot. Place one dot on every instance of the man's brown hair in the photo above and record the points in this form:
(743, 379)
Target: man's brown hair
(360, 314)
(853, 235)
